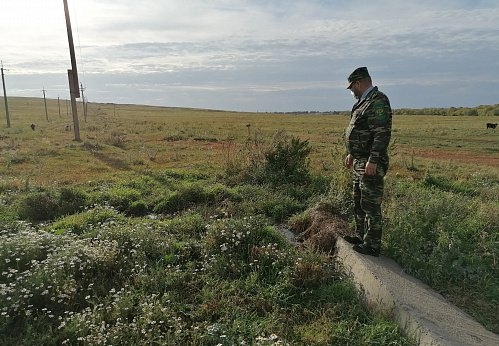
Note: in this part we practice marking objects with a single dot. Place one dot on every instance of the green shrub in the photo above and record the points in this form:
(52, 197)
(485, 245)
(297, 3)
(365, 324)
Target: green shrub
(279, 207)
(86, 221)
(219, 193)
(138, 208)
(314, 189)
(72, 200)
(38, 206)
(187, 195)
(48, 204)
(132, 198)
(121, 197)
(286, 161)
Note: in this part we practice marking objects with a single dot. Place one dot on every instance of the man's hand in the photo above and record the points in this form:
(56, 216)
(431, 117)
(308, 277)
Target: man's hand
(349, 161)
(371, 168)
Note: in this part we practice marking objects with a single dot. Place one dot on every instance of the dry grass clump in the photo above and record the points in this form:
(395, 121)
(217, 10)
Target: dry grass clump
(322, 229)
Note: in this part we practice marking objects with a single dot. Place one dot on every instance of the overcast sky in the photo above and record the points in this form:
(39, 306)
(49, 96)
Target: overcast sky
(255, 55)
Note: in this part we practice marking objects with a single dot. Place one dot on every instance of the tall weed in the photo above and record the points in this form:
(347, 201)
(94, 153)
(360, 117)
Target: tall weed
(447, 239)
(284, 161)
(339, 195)
(435, 233)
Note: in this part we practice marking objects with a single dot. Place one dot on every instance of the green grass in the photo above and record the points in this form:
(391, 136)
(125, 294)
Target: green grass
(198, 276)
(129, 138)
(466, 133)
(446, 233)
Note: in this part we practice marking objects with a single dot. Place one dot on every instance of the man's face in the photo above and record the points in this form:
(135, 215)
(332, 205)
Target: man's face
(354, 89)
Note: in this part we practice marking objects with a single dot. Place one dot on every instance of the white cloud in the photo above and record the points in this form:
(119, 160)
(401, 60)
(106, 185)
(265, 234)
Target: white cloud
(257, 46)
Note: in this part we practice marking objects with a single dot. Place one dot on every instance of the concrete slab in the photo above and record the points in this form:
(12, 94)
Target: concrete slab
(419, 310)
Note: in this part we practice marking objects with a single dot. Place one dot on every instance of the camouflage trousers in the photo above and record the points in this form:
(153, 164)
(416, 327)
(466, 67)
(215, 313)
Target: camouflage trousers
(367, 196)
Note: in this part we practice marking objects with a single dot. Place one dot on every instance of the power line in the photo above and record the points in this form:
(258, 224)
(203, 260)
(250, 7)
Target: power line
(79, 43)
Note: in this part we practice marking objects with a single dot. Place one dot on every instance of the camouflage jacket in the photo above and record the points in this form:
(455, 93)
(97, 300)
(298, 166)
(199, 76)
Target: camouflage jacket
(369, 131)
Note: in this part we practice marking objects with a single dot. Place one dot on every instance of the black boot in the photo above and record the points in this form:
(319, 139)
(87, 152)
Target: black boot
(353, 240)
(366, 249)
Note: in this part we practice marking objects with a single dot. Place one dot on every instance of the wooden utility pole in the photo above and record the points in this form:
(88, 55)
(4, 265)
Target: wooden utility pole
(45, 101)
(72, 75)
(5, 99)
(83, 102)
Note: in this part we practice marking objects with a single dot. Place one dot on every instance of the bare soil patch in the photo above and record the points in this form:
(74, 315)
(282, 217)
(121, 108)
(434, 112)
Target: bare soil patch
(463, 156)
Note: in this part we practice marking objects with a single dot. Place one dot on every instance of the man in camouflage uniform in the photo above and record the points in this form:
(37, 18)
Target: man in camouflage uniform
(367, 138)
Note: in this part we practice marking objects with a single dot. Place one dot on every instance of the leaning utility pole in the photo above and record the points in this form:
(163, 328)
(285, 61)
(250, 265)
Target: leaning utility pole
(83, 102)
(5, 99)
(72, 75)
(45, 101)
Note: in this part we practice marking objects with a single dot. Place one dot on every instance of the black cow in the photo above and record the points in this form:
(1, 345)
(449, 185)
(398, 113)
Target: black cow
(491, 126)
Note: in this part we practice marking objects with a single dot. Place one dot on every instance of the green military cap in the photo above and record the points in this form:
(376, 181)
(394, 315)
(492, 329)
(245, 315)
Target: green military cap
(358, 74)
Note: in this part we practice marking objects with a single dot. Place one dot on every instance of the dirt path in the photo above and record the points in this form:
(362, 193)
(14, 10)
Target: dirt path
(462, 156)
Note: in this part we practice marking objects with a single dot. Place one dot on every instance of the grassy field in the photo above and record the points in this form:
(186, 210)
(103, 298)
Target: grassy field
(129, 138)
(161, 221)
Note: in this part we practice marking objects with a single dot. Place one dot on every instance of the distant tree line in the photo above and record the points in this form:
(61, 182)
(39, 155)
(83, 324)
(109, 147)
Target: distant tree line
(452, 111)
(313, 112)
